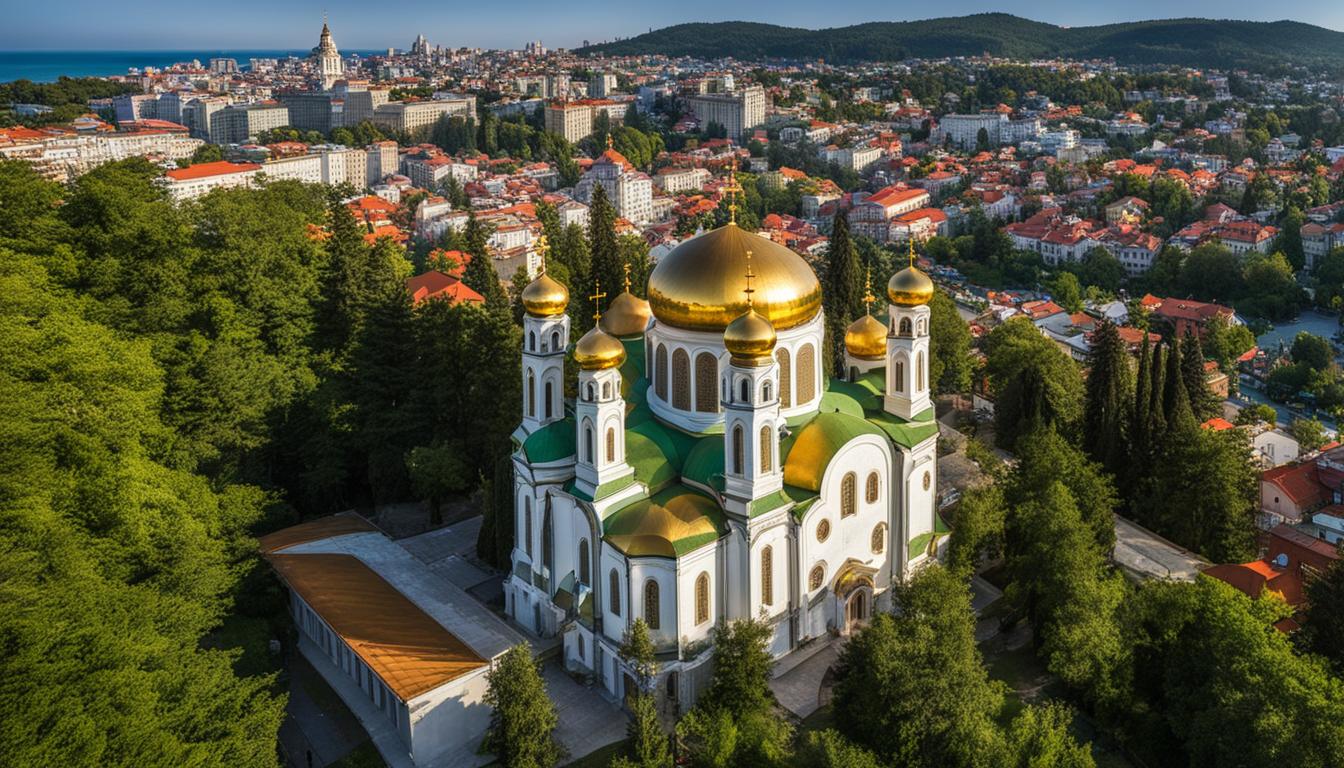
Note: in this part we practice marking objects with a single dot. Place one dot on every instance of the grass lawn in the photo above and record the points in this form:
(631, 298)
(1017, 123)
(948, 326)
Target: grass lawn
(602, 757)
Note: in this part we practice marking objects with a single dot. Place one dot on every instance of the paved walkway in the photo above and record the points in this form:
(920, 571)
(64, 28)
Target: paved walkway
(1150, 556)
(588, 721)
(798, 686)
(318, 728)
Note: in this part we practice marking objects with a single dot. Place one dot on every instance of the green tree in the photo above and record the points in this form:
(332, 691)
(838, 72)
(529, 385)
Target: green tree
(1311, 350)
(1309, 433)
(1290, 237)
(1255, 414)
(437, 471)
(950, 362)
(522, 717)
(206, 153)
(844, 288)
(978, 530)
(1033, 382)
(1203, 402)
(480, 274)
(1040, 738)
(1067, 292)
(1324, 624)
(1108, 393)
(607, 267)
(382, 393)
(828, 749)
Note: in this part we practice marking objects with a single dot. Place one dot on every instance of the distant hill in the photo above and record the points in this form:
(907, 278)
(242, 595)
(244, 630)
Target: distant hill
(1186, 42)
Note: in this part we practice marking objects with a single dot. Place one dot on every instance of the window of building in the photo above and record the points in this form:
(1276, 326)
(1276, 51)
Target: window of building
(767, 449)
(583, 562)
(785, 378)
(606, 390)
(823, 530)
(706, 373)
(532, 340)
(737, 450)
(816, 577)
(555, 341)
(899, 376)
(807, 373)
(611, 445)
(550, 395)
(660, 373)
(701, 598)
(746, 390)
(651, 603)
(615, 589)
(870, 488)
(879, 538)
(581, 647)
(681, 380)
(527, 526)
(848, 490)
(547, 541)
(587, 441)
(919, 372)
(768, 576)
(531, 393)
(905, 326)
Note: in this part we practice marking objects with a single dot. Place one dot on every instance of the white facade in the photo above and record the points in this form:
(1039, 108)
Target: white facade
(630, 192)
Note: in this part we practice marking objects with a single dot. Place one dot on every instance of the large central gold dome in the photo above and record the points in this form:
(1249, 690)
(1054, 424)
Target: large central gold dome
(698, 286)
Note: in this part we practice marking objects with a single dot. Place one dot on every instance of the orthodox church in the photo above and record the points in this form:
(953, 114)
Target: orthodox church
(707, 470)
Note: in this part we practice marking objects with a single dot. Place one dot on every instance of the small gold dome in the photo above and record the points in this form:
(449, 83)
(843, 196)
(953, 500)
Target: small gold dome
(598, 350)
(910, 288)
(698, 286)
(750, 338)
(627, 316)
(866, 338)
(545, 297)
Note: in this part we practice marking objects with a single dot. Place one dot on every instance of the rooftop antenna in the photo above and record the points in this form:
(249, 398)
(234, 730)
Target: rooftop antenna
(597, 298)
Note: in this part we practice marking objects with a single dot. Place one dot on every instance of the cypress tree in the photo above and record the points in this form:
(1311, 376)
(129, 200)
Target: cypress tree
(607, 267)
(1140, 439)
(347, 280)
(479, 274)
(1202, 402)
(1157, 415)
(1176, 401)
(522, 715)
(844, 281)
(1105, 404)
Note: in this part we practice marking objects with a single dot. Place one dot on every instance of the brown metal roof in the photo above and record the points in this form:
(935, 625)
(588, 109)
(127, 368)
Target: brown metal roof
(315, 530)
(409, 650)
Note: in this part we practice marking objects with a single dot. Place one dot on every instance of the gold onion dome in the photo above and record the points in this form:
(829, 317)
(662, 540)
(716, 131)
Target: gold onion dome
(628, 314)
(698, 285)
(750, 338)
(866, 338)
(910, 288)
(598, 350)
(545, 297)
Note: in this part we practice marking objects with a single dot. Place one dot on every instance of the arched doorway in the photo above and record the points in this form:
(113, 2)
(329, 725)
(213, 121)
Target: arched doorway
(853, 588)
(857, 610)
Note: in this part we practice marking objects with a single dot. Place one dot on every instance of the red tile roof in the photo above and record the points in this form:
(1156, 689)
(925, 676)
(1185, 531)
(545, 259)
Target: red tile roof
(1298, 482)
(437, 285)
(204, 170)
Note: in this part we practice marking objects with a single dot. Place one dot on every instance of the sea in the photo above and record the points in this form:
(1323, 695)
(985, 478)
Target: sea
(48, 66)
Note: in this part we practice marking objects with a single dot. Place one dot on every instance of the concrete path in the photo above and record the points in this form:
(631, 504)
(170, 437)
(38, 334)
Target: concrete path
(798, 687)
(1150, 556)
(456, 539)
(318, 728)
(588, 721)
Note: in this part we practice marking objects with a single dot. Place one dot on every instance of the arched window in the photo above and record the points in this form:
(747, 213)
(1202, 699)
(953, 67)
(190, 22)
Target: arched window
(651, 603)
(660, 373)
(816, 577)
(615, 589)
(768, 576)
(550, 396)
(527, 526)
(555, 341)
(588, 392)
(587, 441)
(919, 372)
(532, 340)
(706, 373)
(879, 538)
(785, 378)
(547, 541)
(898, 376)
(870, 488)
(681, 380)
(905, 326)
(531, 393)
(765, 392)
(737, 450)
(606, 390)
(611, 445)
(701, 598)
(848, 489)
(583, 562)
(807, 373)
(767, 448)
(581, 647)
(746, 391)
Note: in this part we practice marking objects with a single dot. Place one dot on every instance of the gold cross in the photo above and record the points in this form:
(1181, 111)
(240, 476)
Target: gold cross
(732, 190)
(543, 247)
(912, 251)
(609, 141)
(596, 298)
(868, 291)
(749, 290)
(627, 276)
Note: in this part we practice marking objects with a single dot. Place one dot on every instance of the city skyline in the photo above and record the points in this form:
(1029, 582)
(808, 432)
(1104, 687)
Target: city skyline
(88, 28)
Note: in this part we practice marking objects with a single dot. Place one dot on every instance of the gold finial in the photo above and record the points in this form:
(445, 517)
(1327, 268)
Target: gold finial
(597, 298)
(732, 191)
(749, 290)
(543, 248)
(627, 276)
(868, 291)
(609, 141)
(912, 251)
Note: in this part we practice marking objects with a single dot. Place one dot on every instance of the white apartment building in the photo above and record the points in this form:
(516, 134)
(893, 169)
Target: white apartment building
(241, 123)
(859, 159)
(409, 116)
(738, 112)
(429, 173)
(571, 119)
(963, 131)
(674, 180)
(629, 191)
(197, 180)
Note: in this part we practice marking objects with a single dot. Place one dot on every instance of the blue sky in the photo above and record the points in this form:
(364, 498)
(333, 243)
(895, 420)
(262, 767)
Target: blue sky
(165, 24)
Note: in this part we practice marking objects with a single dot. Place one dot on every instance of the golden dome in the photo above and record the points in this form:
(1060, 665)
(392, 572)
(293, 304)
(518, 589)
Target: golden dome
(627, 316)
(910, 287)
(750, 338)
(545, 297)
(698, 286)
(598, 350)
(866, 338)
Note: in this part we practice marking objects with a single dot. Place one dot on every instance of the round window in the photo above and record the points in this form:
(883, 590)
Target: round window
(823, 530)
(927, 479)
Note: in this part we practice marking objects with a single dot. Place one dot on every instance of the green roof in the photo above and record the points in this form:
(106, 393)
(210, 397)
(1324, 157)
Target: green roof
(705, 464)
(769, 503)
(656, 452)
(924, 542)
(552, 442)
(671, 523)
(907, 433)
(809, 450)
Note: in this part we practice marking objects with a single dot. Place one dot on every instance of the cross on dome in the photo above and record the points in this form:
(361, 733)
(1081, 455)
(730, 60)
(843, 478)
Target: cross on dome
(596, 298)
(732, 191)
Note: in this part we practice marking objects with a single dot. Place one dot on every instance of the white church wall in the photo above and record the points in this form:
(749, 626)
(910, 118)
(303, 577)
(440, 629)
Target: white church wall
(689, 568)
(613, 624)
(776, 537)
(663, 572)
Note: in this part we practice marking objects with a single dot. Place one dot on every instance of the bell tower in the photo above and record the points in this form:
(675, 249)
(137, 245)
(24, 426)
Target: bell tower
(750, 400)
(907, 356)
(545, 338)
(599, 412)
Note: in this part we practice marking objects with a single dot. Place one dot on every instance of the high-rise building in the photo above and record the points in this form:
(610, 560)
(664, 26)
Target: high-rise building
(738, 112)
(313, 110)
(327, 60)
(242, 123)
(408, 116)
(571, 119)
(630, 192)
(223, 66)
(602, 85)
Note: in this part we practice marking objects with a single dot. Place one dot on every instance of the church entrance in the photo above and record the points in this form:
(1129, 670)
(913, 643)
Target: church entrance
(854, 596)
(857, 610)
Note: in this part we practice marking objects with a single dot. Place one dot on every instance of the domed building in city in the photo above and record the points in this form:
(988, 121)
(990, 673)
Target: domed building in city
(707, 470)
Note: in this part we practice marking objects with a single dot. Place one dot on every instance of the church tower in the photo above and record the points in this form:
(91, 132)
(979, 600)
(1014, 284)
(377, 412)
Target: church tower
(327, 60)
(545, 338)
(909, 292)
(751, 406)
(599, 412)
(865, 338)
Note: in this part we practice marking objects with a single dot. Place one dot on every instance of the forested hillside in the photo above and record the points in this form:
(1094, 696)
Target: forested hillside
(1186, 42)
